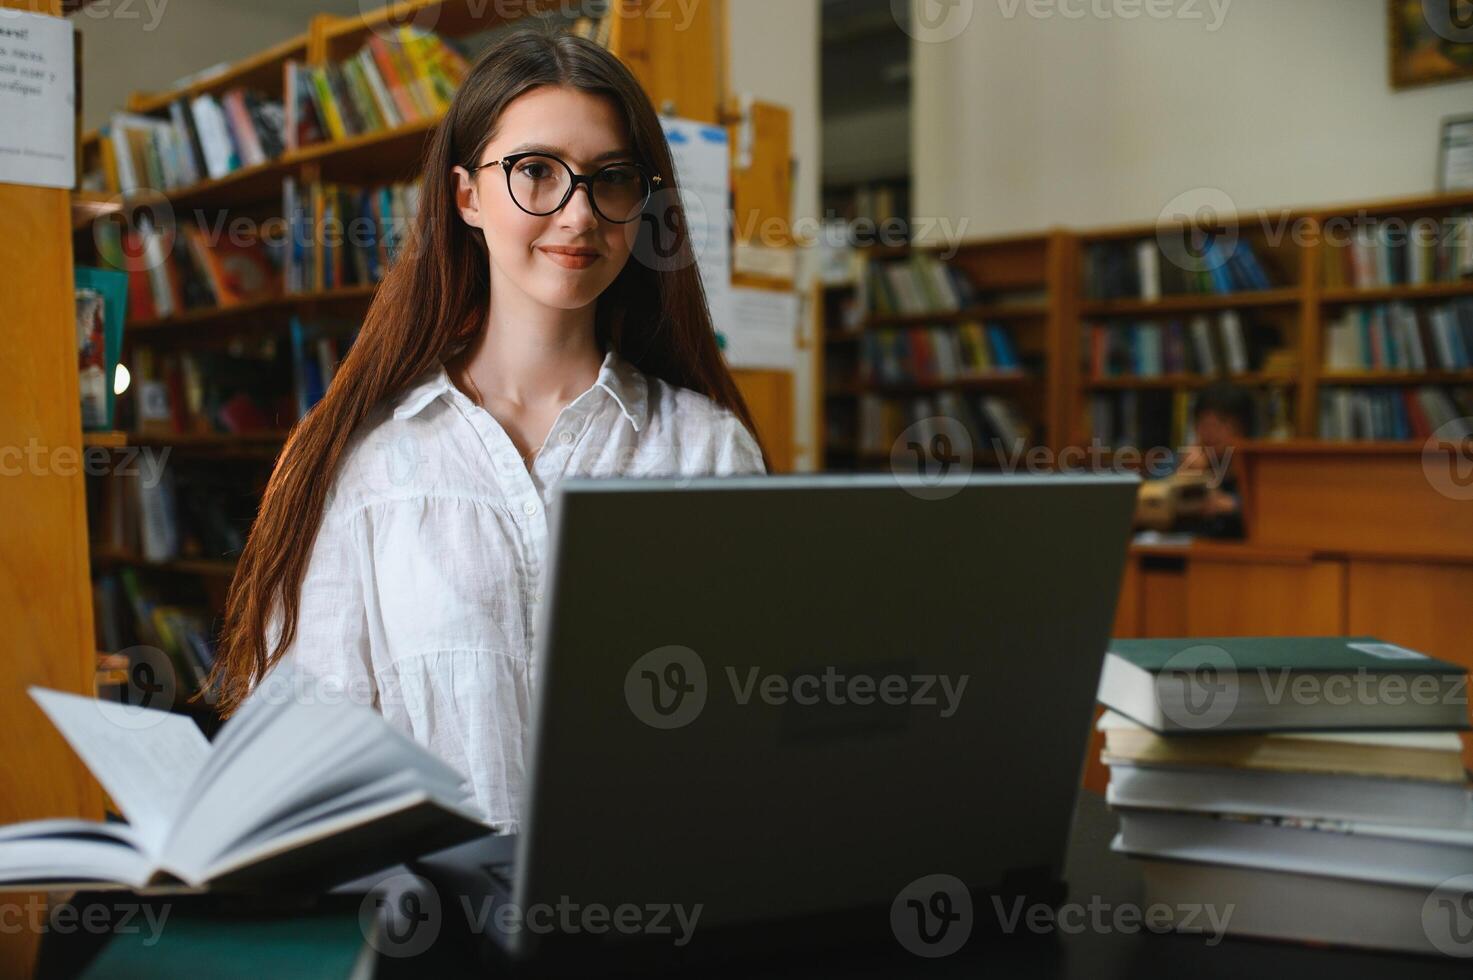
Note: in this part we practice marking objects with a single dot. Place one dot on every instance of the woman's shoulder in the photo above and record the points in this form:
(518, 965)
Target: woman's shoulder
(399, 449)
(711, 437)
(671, 405)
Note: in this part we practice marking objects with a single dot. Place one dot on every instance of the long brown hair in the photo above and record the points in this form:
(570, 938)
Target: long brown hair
(434, 302)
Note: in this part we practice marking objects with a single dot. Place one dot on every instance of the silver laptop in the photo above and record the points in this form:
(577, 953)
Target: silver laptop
(785, 700)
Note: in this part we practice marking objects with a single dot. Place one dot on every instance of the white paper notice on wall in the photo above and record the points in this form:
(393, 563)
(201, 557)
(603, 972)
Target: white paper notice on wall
(703, 169)
(759, 329)
(37, 98)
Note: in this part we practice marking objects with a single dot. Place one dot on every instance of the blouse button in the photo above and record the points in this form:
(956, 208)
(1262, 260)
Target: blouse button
(565, 437)
(529, 508)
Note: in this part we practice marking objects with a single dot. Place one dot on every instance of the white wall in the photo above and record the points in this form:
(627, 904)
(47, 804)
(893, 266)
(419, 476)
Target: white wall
(1027, 122)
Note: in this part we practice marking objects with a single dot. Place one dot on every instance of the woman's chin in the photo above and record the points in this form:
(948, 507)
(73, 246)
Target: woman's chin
(565, 297)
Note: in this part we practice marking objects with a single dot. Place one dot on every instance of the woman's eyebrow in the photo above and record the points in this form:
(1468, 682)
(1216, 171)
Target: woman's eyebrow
(556, 151)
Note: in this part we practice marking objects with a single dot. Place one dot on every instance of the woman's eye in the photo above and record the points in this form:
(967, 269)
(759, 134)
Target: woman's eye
(535, 171)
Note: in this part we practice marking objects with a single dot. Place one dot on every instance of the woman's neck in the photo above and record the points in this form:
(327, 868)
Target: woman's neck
(533, 358)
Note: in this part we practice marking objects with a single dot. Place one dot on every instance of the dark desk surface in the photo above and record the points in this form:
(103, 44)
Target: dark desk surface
(1094, 874)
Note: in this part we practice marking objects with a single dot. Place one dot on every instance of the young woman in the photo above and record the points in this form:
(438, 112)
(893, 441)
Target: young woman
(520, 339)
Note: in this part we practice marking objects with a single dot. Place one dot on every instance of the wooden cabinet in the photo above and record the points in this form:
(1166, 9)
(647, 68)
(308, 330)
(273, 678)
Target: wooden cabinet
(1265, 596)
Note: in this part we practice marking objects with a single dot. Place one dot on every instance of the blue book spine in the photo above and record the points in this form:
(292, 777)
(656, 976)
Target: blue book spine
(1002, 346)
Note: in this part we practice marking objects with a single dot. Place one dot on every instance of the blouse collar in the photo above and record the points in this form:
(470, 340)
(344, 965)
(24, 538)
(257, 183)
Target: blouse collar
(624, 382)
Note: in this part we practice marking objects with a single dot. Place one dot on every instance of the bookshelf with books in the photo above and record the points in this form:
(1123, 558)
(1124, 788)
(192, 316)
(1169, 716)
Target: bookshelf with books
(1394, 294)
(923, 334)
(1345, 324)
(1167, 310)
(218, 199)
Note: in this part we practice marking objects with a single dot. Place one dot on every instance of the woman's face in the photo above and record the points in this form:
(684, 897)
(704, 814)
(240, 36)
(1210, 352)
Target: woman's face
(588, 132)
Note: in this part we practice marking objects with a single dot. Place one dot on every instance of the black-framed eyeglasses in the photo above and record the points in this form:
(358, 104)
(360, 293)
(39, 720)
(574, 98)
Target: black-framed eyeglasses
(542, 184)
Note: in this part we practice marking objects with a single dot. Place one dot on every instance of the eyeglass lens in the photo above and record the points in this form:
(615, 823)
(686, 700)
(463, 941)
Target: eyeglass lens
(540, 183)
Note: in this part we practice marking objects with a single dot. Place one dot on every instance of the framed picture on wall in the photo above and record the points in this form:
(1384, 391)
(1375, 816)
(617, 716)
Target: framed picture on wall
(1455, 155)
(1431, 41)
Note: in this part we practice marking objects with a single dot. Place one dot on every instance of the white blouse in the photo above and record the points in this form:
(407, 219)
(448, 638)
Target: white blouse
(420, 593)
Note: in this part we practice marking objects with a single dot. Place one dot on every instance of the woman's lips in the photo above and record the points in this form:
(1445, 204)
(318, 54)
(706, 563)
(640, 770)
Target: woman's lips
(571, 258)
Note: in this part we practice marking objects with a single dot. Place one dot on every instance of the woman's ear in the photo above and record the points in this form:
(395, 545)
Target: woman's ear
(467, 201)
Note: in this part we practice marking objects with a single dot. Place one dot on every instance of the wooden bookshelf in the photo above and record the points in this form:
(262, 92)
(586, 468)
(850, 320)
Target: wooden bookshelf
(1125, 383)
(1189, 304)
(1291, 243)
(1299, 305)
(1014, 276)
(258, 312)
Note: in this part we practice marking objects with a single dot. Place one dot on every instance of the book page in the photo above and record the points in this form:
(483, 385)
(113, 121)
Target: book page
(145, 759)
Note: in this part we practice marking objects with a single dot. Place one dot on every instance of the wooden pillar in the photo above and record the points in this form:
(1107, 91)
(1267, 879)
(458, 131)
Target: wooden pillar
(45, 594)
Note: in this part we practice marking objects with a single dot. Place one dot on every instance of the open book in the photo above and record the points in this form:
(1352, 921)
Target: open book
(293, 790)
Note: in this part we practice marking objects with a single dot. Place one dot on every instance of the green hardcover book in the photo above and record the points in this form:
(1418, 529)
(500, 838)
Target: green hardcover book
(1240, 684)
(329, 946)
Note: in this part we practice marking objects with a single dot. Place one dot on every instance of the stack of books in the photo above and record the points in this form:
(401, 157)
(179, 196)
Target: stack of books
(1308, 789)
